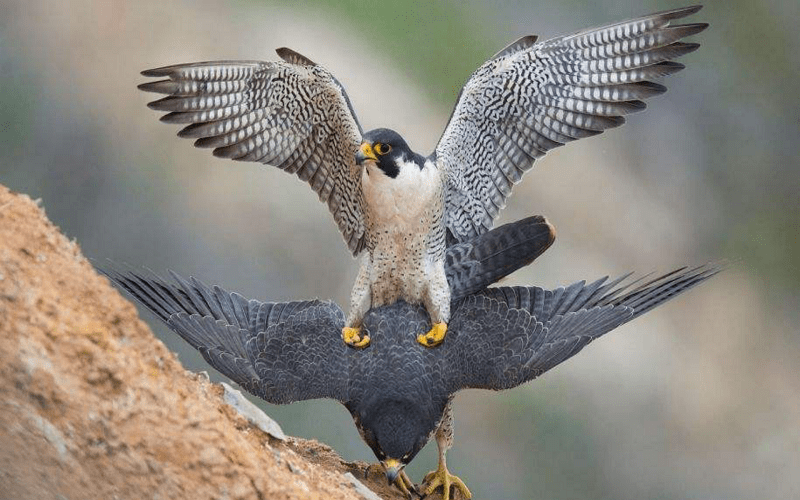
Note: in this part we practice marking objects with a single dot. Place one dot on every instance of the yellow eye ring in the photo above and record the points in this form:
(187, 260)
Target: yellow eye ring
(382, 148)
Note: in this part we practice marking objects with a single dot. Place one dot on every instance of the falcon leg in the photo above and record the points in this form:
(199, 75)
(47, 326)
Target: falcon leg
(441, 477)
(409, 485)
(360, 302)
(437, 302)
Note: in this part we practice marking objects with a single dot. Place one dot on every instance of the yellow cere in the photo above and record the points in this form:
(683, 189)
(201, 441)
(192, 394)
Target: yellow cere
(391, 463)
(366, 149)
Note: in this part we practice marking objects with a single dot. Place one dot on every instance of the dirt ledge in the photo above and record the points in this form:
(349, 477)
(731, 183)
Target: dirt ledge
(92, 405)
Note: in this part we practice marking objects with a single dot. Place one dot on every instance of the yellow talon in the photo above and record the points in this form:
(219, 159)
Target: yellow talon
(404, 484)
(364, 342)
(352, 337)
(434, 337)
(394, 469)
(441, 477)
(409, 484)
(350, 334)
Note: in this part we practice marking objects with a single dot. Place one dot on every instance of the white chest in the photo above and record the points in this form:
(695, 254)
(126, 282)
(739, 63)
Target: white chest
(399, 202)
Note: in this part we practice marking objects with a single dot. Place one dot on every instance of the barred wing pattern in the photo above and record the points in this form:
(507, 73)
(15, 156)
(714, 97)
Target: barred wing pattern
(292, 114)
(532, 97)
(503, 337)
(281, 352)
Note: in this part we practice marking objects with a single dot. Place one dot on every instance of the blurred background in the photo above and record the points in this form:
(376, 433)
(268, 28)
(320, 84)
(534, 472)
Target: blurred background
(699, 399)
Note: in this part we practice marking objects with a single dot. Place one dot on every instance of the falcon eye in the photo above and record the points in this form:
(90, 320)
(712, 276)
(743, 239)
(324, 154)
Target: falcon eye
(382, 148)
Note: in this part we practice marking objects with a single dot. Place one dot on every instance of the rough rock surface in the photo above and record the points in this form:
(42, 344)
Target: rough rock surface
(93, 406)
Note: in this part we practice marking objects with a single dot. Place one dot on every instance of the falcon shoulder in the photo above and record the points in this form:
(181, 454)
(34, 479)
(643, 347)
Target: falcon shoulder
(281, 352)
(503, 337)
(292, 114)
(534, 96)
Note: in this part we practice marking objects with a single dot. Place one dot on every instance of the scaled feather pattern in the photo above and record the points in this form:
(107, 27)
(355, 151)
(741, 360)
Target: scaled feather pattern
(500, 337)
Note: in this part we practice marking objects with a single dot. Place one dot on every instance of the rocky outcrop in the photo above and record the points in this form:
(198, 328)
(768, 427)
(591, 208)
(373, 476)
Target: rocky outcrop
(93, 406)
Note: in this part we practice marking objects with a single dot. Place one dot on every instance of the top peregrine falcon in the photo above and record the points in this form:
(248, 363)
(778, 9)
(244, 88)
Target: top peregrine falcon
(402, 207)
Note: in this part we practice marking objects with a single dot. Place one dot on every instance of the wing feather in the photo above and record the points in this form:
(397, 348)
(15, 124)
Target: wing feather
(533, 97)
(280, 352)
(514, 334)
(292, 114)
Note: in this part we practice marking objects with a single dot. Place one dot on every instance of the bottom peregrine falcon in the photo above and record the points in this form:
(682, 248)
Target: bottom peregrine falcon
(399, 392)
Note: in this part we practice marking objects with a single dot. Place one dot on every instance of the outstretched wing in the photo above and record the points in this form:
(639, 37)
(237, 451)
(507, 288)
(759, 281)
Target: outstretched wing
(280, 352)
(503, 337)
(292, 114)
(532, 97)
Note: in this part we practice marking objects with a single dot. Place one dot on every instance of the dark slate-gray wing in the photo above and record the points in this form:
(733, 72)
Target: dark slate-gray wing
(473, 265)
(281, 352)
(292, 114)
(532, 97)
(503, 337)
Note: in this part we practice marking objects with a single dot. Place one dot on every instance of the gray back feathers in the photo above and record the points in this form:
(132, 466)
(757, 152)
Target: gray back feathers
(497, 339)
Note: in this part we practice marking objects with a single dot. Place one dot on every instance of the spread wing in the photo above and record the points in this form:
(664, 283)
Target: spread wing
(503, 337)
(532, 97)
(292, 114)
(280, 352)
(292, 351)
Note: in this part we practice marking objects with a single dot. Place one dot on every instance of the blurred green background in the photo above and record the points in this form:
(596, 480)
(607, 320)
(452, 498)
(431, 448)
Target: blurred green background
(699, 399)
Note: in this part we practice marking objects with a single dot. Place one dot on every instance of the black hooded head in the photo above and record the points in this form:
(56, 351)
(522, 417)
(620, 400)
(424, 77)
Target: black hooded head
(388, 150)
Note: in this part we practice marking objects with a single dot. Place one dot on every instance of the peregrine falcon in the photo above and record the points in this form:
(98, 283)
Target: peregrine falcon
(396, 206)
(400, 393)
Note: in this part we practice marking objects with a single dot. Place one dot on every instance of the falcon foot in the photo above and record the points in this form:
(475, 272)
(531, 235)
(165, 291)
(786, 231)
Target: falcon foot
(404, 484)
(434, 337)
(441, 477)
(395, 474)
(353, 337)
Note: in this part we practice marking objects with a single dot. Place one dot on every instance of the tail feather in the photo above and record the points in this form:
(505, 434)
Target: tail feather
(476, 264)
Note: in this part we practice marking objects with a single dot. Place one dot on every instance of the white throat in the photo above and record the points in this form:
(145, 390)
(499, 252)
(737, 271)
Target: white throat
(401, 199)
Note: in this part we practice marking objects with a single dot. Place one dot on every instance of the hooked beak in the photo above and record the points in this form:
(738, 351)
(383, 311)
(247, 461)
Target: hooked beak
(365, 153)
(393, 468)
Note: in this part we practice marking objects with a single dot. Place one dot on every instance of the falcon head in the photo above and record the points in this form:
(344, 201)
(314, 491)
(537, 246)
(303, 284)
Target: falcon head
(396, 430)
(387, 152)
